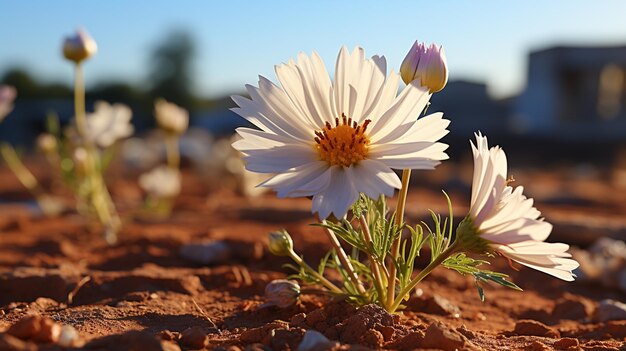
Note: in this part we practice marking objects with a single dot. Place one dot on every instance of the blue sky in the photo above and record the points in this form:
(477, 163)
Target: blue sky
(237, 40)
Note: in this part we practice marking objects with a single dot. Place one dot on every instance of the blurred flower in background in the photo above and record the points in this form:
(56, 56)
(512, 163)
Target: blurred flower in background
(162, 182)
(171, 117)
(7, 95)
(109, 123)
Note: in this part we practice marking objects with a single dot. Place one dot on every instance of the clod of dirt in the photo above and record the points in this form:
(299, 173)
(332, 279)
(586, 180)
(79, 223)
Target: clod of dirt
(194, 337)
(536, 346)
(572, 307)
(314, 340)
(356, 329)
(36, 328)
(534, 328)
(264, 333)
(408, 342)
(130, 341)
(438, 336)
(565, 343)
(286, 339)
(609, 310)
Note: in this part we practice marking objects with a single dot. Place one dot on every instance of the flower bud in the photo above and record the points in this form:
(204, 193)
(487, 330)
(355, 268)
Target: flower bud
(171, 117)
(79, 47)
(428, 64)
(280, 243)
(282, 293)
(47, 143)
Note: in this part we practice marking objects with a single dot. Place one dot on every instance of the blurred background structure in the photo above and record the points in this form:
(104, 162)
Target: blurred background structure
(560, 81)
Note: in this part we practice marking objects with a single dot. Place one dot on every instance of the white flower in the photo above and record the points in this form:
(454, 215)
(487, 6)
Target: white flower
(79, 47)
(507, 220)
(171, 117)
(333, 140)
(108, 123)
(7, 95)
(162, 182)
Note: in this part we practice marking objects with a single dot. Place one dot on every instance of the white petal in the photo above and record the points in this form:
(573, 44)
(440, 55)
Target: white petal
(399, 118)
(305, 180)
(278, 159)
(338, 197)
(373, 179)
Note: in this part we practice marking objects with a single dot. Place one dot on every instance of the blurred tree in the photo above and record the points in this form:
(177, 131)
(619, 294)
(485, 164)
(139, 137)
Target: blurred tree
(28, 87)
(170, 73)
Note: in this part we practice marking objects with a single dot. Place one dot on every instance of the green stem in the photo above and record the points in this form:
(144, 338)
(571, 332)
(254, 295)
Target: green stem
(98, 194)
(172, 151)
(22, 173)
(395, 247)
(422, 274)
(330, 286)
(378, 283)
(345, 262)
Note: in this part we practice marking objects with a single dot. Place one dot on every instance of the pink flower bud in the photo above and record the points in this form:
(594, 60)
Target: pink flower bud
(428, 64)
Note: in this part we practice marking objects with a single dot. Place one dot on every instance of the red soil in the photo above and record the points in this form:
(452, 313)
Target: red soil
(141, 294)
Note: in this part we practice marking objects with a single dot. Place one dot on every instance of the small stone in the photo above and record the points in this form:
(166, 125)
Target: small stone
(534, 328)
(169, 346)
(168, 335)
(314, 340)
(408, 342)
(573, 308)
(565, 343)
(194, 337)
(608, 310)
(206, 252)
(68, 337)
(25, 328)
(49, 331)
(438, 336)
(436, 305)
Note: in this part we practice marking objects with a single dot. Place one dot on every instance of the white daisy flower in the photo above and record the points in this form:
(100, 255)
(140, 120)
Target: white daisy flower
(162, 182)
(506, 220)
(334, 140)
(171, 117)
(108, 123)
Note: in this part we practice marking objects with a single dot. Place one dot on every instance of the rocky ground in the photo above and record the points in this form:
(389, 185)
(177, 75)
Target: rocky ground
(62, 286)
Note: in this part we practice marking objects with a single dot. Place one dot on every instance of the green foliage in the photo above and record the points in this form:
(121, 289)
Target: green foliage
(369, 256)
(467, 265)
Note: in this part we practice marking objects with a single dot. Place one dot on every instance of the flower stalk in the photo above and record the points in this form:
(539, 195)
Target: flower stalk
(395, 248)
(354, 279)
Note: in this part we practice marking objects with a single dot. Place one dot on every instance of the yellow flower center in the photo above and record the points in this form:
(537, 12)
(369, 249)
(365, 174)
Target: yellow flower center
(344, 144)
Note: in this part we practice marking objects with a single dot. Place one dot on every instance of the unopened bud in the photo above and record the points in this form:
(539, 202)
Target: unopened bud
(171, 117)
(428, 64)
(282, 293)
(79, 47)
(280, 243)
(47, 143)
